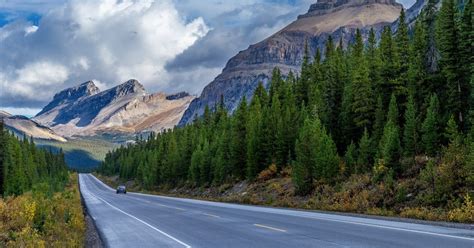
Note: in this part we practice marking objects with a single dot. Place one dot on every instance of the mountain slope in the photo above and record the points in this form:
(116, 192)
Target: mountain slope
(285, 49)
(124, 109)
(21, 125)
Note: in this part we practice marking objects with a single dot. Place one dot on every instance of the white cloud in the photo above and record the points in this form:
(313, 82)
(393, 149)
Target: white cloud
(30, 29)
(108, 40)
(41, 73)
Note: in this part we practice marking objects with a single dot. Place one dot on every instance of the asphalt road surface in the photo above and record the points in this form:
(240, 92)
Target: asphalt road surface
(139, 220)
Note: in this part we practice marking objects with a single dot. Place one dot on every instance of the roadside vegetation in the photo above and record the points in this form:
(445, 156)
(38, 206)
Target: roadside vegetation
(40, 203)
(43, 218)
(384, 128)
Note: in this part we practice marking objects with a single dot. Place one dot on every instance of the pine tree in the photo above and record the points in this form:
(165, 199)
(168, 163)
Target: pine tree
(379, 121)
(304, 82)
(410, 134)
(365, 154)
(363, 103)
(374, 62)
(389, 147)
(350, 159)
(466, 46)
(430, 127)
(447, 39)
(417, 74)
(331, 88)
(389, 65)
(254, 139)
(205, 166)
(452, 132)
(316, 156)
(393, 114)
(403, 53)
(238, 145)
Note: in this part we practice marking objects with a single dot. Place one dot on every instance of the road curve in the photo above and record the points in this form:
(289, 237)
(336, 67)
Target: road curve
(139, 220)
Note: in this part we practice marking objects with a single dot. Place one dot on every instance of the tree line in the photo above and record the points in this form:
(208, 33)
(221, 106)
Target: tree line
(24, 167)
(374, 106)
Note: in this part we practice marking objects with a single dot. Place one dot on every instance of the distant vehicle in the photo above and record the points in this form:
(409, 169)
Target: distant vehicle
(121, 189)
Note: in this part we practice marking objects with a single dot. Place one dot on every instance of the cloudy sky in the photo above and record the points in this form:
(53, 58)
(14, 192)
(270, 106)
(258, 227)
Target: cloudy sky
(168, 45)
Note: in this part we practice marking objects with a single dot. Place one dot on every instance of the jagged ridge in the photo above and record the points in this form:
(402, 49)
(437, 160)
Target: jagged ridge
(124, 109)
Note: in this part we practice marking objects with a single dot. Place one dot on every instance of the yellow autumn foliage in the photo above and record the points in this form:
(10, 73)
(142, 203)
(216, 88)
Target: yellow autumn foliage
(38, 220)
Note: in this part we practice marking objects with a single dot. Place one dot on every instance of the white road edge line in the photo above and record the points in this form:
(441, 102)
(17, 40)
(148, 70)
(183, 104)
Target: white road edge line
(355, 223)
(269, 227)
(395, 228)
(143, 222)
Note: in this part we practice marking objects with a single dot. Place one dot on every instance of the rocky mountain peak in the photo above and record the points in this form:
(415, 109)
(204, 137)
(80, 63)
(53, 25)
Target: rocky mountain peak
(71, 95)
(323, 7)
(132, 86)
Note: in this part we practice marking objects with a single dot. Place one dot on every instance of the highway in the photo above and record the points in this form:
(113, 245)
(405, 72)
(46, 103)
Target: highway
(139, 220)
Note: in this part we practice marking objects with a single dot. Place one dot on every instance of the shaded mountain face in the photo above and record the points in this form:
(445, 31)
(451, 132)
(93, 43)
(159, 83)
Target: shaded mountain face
(71, 95)
(285, 49)
(124, 109)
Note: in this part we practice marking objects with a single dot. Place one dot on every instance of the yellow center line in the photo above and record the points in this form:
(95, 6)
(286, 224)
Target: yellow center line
(269, 227)
(211, 215)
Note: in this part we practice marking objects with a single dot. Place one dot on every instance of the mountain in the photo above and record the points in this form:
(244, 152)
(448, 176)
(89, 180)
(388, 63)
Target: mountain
(4, 114)
(22, 125)
(285, 49)
(125, 109)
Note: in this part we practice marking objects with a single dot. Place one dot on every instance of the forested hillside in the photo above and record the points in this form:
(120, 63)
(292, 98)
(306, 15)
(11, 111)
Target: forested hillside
(399, 111)
(39, 200)
(23, 166)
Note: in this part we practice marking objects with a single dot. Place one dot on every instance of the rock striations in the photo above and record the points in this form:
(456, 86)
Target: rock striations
(124, 109)
(285, 49)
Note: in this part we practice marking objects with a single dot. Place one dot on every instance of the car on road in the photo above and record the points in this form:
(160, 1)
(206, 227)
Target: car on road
(121, 189)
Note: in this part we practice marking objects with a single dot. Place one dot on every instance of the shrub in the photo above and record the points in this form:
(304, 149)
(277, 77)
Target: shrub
(268, 173)
(465, 213)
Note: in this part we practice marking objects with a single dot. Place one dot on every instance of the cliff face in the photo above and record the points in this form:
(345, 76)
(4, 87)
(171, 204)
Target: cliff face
(285, 49)
(124, 109)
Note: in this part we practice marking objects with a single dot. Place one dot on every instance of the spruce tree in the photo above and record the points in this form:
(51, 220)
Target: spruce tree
(254, 138)
(417, 74)
(389, 65)
(374, 62)
(350, 159)
(364, 154)
(430, 128)
(363, 103)
(410, 134)
(389, 147)
(393, 114)
(380, 116)
(403, 53)
(304, 82)
(316, 156)
(238, 145)
(447, 40)
(466, 46)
